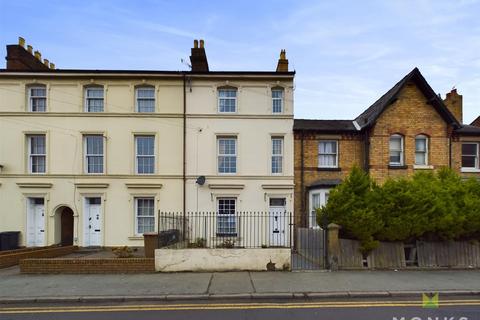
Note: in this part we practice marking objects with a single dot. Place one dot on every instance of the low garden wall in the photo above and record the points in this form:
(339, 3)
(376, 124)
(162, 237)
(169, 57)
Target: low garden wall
(13, 257)
(87, 266)
(202, 259)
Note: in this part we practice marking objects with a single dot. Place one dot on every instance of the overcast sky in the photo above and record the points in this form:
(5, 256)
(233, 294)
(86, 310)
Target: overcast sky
(346, 53)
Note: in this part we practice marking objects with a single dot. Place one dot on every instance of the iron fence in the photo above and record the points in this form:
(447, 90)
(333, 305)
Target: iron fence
(220, 230)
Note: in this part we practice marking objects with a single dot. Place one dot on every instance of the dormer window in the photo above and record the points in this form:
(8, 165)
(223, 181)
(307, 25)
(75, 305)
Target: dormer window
(277, 100)
(94, 99)
(227, 100)
(37, 97)
(396, 150)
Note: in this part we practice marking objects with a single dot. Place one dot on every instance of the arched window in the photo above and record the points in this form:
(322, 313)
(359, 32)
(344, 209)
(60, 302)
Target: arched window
(37, 98)
(277, 100)
(227, 100)
(421, 150)
(396, 150)
(145, 98)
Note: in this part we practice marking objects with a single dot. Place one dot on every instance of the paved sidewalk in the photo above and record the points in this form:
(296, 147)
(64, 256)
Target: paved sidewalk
(16, 287)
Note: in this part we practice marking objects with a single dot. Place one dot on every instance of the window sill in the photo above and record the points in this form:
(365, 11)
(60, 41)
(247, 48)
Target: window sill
(393, 167)
(329, 169)
(422, 167)
(135, 238)
(227, 235)
(474, 170)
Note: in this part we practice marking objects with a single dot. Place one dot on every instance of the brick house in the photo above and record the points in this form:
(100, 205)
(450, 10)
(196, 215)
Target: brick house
(409, 128)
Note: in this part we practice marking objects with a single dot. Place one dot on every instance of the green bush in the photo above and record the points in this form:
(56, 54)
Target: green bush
(428, 206)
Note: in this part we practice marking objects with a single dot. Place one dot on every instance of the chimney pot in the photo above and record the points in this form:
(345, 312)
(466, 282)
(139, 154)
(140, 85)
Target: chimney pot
(202, 43)
(30, 49)
(46, 62)
(21, 42)
(195, 43)
(52, 65)
(38, 55)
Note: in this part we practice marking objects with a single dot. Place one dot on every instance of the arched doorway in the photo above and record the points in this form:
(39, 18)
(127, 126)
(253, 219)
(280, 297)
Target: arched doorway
(66, 226)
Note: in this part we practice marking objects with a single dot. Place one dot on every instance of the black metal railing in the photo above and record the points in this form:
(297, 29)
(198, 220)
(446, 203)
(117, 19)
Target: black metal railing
(226, 230)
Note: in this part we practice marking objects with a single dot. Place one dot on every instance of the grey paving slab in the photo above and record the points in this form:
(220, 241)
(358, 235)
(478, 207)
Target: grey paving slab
(15, 285)
(19, 285)
(230, 282)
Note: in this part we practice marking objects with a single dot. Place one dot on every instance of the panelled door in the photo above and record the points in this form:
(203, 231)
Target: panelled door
(278, 222)
(35, 222)
(93, 222)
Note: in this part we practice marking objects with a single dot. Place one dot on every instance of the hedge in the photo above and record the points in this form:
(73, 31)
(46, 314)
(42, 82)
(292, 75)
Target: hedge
(428, 206)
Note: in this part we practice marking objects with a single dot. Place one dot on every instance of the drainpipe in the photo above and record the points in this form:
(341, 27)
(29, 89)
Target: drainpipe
(450, 150)
(367, 152)
(302, 178)
(184, 152)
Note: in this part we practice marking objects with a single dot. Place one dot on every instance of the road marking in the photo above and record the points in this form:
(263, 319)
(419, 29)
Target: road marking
(231, 306)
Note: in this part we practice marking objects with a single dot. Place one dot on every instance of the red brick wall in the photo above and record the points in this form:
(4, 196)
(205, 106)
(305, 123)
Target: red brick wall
(8, 260)
(76, 266)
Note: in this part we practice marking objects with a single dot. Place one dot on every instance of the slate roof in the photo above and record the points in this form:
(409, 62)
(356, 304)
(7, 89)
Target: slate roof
(371, 114)
(468, 130)
(331, 126)
(324, 183)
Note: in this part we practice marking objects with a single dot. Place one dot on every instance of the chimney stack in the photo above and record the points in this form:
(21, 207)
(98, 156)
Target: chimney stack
(198, 57)
(282, 65)
(19, 58)
(454, 103)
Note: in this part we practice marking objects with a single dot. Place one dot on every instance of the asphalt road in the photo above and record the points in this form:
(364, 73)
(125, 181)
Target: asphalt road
(408, 309)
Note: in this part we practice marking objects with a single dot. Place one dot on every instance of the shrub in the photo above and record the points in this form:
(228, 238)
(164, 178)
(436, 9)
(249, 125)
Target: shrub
(430, 206)
(348, 206)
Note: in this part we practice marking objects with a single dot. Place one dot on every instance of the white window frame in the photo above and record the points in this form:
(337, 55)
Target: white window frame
(402, 148)
(281, 99)
(137, 156)
(137, 216)
(336, 153)
(231, 218)
(323, 194)
(227, 155)
(422, 137)
(30, 97)
(235, 99)
(87, 98)
(86, 155)
(137, 98)
(277, 155)
(477, 158)
(32, 155)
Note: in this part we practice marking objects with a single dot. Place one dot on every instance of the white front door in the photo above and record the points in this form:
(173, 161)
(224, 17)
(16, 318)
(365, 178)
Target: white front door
(278, 222)
(93, 222)
(35, 222)
(318, 198)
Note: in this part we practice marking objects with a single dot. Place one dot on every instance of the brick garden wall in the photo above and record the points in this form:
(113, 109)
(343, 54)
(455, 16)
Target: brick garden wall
(78, 266)
(8, 260)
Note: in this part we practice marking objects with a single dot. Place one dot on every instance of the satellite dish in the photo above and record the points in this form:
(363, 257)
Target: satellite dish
(201, 180)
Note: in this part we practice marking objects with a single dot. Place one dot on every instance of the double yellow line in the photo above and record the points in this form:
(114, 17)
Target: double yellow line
(232, 306)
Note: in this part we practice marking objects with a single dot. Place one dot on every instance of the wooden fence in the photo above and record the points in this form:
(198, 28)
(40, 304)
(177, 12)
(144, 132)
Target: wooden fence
(462, 254)
(392, 255)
